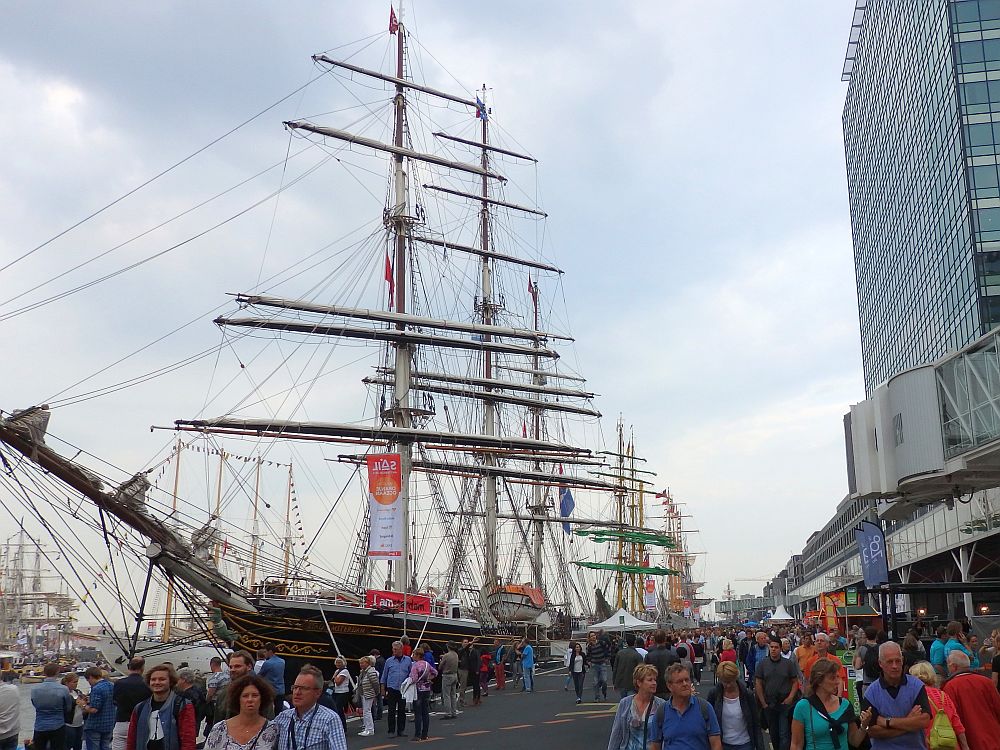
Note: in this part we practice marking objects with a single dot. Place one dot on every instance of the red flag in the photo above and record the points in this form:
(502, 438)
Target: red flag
(393, 23)
(391, 279)
(533, 291)
(524, 429)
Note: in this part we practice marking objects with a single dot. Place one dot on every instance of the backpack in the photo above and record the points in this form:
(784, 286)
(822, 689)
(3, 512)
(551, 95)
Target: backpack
(942, 735)
(869, 663)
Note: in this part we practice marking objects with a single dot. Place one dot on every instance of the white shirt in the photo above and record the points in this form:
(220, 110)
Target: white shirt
(734, 727)
(10, 710)
(642, 651)
(345, 686)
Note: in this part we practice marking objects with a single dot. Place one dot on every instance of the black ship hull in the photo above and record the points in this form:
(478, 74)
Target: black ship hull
(301, 631)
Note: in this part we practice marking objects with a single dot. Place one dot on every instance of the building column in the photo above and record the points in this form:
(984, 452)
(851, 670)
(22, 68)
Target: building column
(904, 577)
(964, 562)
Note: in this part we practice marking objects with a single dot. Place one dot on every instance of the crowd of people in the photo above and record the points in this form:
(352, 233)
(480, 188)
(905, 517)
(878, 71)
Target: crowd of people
(789, 689)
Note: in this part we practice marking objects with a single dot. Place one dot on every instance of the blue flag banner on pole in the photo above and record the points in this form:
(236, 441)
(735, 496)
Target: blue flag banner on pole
(566, 506)
(874, 562)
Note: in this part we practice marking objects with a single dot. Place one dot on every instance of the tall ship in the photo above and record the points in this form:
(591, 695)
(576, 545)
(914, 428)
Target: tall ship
(466, 453)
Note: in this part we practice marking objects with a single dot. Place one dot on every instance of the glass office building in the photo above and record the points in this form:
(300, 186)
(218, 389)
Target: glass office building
(921, 139)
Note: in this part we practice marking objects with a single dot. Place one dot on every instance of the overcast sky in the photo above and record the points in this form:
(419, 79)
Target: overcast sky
(691, 162)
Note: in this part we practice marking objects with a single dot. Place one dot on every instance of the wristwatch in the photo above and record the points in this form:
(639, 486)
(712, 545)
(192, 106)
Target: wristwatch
(888, 722)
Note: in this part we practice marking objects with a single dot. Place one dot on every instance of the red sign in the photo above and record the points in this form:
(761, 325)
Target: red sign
(416, 604)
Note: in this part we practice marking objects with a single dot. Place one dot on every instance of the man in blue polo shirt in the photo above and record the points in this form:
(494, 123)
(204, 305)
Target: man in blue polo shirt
(689, 722)
(396, 669)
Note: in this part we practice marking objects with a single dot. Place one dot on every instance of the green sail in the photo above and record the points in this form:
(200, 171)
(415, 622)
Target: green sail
(636, 537)
(641, 569)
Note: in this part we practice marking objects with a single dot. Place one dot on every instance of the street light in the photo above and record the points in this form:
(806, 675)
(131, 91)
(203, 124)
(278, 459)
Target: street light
(984, 609)
(921, 612)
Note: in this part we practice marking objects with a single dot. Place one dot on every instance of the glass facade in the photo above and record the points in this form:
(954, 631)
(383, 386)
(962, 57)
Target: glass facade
(969, 396)
(921, 151)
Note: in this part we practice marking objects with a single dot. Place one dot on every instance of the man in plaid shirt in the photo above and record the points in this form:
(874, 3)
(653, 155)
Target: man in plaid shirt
(99, 713)
(308, 725)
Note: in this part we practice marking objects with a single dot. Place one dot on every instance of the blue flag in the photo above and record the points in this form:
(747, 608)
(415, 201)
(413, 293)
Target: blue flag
(566, 506)
(871, 545)
(481, 109)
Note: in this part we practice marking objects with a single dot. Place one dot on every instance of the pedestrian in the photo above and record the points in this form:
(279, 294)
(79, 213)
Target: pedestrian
(52, 702)
(165, 720)
(661, 657)
(422, 674)
(638, 720)
(805, 653)
(129, 692)
(485, 669)
(820, 720)
(958, 641)
(407, 649)
(776, 685)
(689, 722)
(499, 656)
(247, 726)
(756, 653)
(308, 725)
(379, 664)
(887, 707)
(567, 655)
(977, 702)
(463, 672)
(528, 666)
(273, 670)
(10, 712)
(736, 709)
(515, 665)
(240, 664)
(937, 657)
(99, 713)
(698, 652)
(217, 677)
(471, 666)
(911, 653)
(397, 669)
(369, 688)
(341, 689)
(576, 664)
(728, 653)
(449, 682)
(188, 687)
(940, 702)
(623, 665)
(74, 721)
(597, 658)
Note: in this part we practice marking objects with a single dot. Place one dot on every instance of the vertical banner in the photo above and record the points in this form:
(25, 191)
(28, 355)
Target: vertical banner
(829, 603)
(871, 545)
(385, 508)
(649, 594)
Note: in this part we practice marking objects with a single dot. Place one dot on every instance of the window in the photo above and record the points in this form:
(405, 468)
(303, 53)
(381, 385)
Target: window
(897, 429)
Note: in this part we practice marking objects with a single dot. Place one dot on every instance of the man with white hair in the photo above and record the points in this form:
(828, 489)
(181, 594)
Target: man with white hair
(976, 700)
(887, 707)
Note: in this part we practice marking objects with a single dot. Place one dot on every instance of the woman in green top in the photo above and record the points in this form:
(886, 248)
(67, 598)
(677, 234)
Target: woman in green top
(824, 720)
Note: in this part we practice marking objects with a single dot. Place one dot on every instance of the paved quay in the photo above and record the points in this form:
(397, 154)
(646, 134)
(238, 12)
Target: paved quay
(548, 717)
(506, 717)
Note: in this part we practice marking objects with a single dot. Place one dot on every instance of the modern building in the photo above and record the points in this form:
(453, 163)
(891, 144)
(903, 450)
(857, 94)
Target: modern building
(921, 126)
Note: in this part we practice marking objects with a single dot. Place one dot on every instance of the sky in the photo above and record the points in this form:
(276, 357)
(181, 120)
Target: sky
(691, 163)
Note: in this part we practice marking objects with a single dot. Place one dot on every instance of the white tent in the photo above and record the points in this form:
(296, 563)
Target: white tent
(780, 615)
(622, 620)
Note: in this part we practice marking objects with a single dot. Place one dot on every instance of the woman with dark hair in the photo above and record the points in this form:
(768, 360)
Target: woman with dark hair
(911, 651)
(577, 665)
(820, 721)
(422, 675)
(247, 728)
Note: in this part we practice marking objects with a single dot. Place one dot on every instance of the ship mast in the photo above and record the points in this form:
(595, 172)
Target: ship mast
(489, 406)
(401, 393)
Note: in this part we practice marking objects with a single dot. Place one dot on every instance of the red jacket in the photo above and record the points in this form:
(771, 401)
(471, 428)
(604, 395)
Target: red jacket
(978, 703)
(185, 728)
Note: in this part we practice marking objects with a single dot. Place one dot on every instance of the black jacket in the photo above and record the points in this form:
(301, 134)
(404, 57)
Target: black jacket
(661, 657)
(751, 715)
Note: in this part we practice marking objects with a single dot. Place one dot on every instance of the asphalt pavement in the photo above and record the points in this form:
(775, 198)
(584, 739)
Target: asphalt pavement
(548, 717)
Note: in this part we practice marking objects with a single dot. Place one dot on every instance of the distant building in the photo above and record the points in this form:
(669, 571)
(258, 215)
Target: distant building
(921, 150)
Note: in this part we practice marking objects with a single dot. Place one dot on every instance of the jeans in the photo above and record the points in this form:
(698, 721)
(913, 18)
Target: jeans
(745, 746)
(342, 699)
(529, 679)
(9, 743)
(422, 714)
(96, 740)
(600, 680)
(74, 737)
(449, 692)
(367, 719)
(779, 724)
(396, 709)
(578, 684)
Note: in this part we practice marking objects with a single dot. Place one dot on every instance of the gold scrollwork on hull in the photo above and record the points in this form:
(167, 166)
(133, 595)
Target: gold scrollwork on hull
(294, 649)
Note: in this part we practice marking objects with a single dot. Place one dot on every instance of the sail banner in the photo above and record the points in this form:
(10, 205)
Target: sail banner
(871, 545)
(385, 507)
(649, 594)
